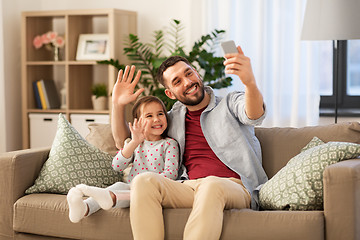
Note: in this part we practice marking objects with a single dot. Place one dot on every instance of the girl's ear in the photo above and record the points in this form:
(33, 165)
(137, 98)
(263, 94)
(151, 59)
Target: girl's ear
(169, 94)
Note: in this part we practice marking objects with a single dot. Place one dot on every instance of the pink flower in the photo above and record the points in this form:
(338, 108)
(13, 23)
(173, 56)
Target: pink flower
(50, 40)
(45, 39)
(51, 36)
(59, 42)
(37, 42)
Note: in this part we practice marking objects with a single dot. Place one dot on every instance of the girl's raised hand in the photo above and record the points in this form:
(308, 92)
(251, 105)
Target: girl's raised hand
(137, 130)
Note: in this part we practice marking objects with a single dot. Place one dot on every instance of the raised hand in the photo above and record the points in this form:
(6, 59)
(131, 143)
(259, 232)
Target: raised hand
(137, 130)
(123, 91)
(240, 65)
(123, 94)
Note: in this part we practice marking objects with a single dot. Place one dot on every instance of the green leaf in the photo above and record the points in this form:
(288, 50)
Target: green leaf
(112, 62)
(177, 22)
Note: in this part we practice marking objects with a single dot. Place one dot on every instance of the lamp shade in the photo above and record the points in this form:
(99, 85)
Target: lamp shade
(331, 20)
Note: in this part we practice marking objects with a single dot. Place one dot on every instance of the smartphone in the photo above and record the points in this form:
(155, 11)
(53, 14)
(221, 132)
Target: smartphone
(229, 47)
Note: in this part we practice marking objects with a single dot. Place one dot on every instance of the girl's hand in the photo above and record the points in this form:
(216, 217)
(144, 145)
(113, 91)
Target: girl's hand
(123, 91)
(137, 130)
(137, 136)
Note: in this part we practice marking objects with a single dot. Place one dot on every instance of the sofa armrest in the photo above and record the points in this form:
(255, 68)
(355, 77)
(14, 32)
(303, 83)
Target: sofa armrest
(18, 171)
(342, 200)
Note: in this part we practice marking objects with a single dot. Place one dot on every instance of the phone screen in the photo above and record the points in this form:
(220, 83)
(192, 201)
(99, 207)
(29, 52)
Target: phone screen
(229, 47)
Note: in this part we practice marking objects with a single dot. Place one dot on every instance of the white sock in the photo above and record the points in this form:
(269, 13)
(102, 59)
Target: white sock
(122, 198)
(77, 207)
(100, 195)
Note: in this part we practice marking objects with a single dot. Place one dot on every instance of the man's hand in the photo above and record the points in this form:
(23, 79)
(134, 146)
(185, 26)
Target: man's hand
(123, 92)
(240, 65)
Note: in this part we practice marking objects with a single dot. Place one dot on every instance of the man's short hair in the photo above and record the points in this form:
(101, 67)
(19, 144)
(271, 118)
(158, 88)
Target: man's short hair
(171, 61)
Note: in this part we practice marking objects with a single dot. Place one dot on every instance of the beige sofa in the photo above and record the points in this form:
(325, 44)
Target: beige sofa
(45, 216)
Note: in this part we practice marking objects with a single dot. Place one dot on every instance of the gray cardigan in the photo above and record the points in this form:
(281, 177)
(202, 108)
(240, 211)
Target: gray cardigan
(230, 134)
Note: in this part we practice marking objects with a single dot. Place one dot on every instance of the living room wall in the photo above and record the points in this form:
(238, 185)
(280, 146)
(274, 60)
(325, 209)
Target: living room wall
(152, 15)
(10, 72)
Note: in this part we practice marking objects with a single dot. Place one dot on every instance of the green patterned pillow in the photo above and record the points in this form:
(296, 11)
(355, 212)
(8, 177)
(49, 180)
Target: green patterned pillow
(72, 160)
(299, 185)
(313, 143)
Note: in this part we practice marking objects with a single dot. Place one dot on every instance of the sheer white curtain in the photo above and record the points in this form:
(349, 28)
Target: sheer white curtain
(286, 68)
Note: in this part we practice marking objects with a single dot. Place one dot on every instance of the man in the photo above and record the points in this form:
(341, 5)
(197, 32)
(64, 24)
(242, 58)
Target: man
(220, 154)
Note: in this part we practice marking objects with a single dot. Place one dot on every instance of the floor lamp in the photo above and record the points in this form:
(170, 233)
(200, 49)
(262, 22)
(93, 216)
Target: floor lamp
(332, 20)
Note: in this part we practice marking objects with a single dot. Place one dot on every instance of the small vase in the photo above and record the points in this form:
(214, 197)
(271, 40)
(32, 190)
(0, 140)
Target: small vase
(99, 103)
(56, 54)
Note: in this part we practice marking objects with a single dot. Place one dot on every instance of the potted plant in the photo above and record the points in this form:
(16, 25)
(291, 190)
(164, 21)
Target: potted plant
(148, 57)
(99, 96)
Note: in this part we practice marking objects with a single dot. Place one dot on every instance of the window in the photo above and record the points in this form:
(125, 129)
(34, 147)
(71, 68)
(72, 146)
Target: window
(353, 69)
(348, 76)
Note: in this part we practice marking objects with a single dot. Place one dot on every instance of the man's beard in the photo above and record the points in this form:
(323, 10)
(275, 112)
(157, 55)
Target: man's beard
(193, 102)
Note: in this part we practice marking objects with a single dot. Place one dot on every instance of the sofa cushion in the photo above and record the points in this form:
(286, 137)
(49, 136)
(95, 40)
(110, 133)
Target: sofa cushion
(273, 225)
(72, 160)
(299, 185)
(47, 214)
(278, 145)
(313, 143)
(101, 137)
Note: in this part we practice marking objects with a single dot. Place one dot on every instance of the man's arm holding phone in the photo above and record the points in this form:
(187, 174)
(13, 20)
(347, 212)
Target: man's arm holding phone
(237, 63)
(123, 94)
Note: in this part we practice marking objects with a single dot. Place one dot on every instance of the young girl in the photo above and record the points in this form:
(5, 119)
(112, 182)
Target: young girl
(149, 150)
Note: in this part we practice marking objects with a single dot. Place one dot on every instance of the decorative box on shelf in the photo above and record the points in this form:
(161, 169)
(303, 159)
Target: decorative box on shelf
(81, 121)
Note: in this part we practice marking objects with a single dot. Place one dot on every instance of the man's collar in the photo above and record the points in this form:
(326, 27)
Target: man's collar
(212, 102)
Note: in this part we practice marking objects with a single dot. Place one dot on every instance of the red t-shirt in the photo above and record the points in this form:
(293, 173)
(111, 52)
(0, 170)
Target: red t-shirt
(199, 158)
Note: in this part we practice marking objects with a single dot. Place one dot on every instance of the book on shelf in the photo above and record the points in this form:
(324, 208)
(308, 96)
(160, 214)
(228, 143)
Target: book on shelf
(51, 94)
(37, 96)
(41, 94)
(48, 94)
(42, 86)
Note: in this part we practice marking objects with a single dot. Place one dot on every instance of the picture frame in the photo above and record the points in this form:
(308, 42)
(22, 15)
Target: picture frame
(93, 47)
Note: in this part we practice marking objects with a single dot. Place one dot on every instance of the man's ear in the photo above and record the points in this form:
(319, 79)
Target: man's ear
(169, 94)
